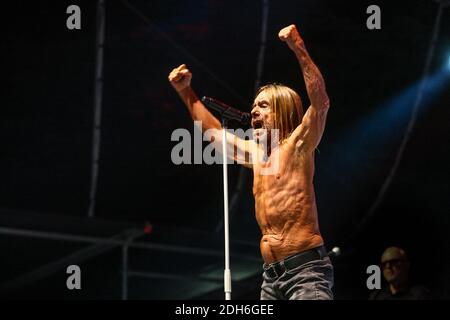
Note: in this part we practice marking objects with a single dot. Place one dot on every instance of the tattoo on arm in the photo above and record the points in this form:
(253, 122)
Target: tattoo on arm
(315, 85)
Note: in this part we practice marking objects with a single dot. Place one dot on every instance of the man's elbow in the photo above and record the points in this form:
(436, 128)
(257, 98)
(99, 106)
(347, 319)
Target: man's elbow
(326, 104)
(322, 106)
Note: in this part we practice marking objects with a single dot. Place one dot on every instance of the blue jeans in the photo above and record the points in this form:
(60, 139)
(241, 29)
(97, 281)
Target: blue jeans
(310, 281)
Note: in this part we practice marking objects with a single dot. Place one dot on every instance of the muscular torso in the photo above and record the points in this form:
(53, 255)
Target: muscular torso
(285, 204)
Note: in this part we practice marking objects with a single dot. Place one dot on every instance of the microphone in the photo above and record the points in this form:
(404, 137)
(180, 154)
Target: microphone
(226, 111)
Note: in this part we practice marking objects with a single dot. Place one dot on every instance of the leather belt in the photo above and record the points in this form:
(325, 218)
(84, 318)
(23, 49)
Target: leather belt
(276, 269)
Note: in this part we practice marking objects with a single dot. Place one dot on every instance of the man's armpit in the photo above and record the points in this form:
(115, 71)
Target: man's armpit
(308, 134)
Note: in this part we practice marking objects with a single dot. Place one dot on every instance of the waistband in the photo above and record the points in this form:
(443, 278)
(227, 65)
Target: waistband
(276, 269)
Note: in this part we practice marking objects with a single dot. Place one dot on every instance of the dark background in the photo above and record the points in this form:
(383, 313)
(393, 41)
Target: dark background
(46, 130)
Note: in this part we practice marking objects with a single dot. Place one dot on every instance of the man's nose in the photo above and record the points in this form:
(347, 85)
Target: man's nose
(255, 113)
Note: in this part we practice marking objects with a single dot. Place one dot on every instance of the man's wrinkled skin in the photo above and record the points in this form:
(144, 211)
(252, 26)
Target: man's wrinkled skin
(285, 201)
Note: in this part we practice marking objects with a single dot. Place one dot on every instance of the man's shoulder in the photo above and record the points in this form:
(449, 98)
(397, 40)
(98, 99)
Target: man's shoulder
(420, 292)
(416, 292)
(378, 294)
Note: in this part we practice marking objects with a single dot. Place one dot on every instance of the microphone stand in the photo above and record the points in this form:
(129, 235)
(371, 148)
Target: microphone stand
(227, 271)
(226, 113)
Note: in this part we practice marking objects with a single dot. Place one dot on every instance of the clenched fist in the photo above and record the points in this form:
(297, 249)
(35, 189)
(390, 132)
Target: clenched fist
(291, 36)
(180, 78)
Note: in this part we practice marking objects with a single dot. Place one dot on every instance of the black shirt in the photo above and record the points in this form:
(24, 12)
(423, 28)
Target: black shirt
(413, 293)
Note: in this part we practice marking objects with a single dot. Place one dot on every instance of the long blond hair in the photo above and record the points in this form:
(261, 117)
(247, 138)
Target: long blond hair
(287, 108)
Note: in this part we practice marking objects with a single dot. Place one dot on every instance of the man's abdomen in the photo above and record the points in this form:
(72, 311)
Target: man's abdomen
(288, 233)
(276, 247)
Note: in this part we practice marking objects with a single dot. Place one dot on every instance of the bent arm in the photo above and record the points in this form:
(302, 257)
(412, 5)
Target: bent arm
(198, 111)
(180, 79)
(238, 149)
(309, 132)
(315, 85)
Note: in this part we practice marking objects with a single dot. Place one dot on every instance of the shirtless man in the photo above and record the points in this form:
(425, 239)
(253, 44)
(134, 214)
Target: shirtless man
(296, 263)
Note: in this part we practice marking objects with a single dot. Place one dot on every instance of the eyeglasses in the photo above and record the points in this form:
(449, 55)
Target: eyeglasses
(392, 262)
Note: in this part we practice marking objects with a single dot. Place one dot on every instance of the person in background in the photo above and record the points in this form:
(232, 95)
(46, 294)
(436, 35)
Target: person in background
(395, 266)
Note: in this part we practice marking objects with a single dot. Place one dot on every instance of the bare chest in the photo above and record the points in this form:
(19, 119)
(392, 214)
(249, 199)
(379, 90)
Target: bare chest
(284, 172)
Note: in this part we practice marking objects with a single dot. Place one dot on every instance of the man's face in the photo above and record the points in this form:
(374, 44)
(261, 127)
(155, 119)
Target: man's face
(395, 266)
(262, 117)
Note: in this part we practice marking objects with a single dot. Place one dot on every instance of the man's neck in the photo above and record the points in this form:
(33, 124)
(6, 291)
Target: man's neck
(397, 288)
(269, 146)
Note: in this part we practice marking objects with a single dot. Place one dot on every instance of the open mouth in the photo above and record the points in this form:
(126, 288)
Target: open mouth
(257, 124)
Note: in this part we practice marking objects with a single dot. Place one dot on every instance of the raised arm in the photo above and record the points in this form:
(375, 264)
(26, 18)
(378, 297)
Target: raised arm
(180, 79)
(310, 131)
